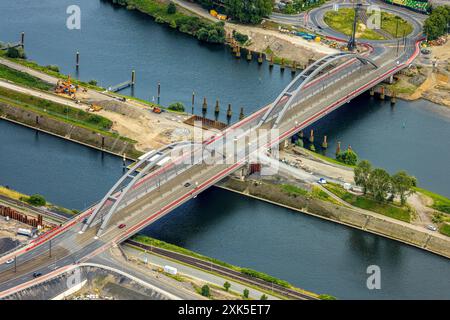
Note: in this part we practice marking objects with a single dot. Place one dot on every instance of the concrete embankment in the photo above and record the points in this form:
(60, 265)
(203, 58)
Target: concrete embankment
(340, 214)
(65, 130)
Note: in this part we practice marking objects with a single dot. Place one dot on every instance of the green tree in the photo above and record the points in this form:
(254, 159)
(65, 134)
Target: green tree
(437, 22)
(246, 293)
(248, 11)
(16, 53)
(37, 200)
(362, 174)
(206, 291)
(264, 297)
(171, 8)
(226, 286)
(379, 184)
(402, 184)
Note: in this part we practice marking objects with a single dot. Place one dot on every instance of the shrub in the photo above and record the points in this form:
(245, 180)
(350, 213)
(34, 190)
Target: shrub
(171, 8)
(37, 200)
(93, 82)
(246, 293)
(348, 157)
(205, 291)
(177, 106)
(16, 53)
(239, 37)
(53, 67)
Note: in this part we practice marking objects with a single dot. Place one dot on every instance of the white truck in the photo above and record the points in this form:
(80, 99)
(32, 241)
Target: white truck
(170, 270)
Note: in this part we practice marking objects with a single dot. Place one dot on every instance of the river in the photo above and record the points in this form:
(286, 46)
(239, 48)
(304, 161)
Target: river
(311, 253)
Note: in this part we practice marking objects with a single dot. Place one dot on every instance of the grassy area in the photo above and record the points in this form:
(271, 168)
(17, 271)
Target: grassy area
(440, 202)
(171, 247)
(389, 24)
(322, 195)
(23, 78)
(342, 21)
(60, 112)
(294, 190)
(364, 202)
(327, 159)
(12, 194)
(50, 71)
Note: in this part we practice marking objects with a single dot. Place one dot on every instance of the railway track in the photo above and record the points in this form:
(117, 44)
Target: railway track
(227, 272)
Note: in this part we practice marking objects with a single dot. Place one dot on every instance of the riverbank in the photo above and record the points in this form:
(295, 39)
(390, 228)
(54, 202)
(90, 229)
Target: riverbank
(261, 39)
(376, 224)
(132, 119)
(423, 81)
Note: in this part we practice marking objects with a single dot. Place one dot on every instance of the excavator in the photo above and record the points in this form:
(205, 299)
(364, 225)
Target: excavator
(65, 87)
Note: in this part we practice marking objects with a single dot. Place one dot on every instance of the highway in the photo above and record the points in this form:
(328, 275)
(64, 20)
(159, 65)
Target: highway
(159, 188)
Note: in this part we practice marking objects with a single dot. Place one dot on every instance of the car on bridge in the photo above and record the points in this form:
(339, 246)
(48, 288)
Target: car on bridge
(122, 225)
(37, 274)
(9, 261)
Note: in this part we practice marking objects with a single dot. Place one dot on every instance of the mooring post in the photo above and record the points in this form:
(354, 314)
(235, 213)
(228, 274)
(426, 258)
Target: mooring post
(159, 92)
(193, 101)
(133, 77)
(229, 111)
(124, 161)
(325, 142)
(103, 142)
(77, 60)
(204, 106)
(241, 115)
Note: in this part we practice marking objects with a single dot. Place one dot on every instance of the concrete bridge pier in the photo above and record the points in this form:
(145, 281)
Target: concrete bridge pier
(204, 106)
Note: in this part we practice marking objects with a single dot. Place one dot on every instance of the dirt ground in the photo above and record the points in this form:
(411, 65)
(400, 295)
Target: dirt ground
(435, 86)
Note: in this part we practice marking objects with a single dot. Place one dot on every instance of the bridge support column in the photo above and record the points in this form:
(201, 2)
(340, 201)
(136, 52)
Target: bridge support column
(260, 58)
(391, 79)
(372, 91)
(382, 93)
(393, 98)
(271, 62)
(77, 60)
(282, 65)
(311, 136)
(338, 148)
(22, 40)
(325, 142)
(241, 115)
(294, 67)
(238, 52)
(249, 56)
